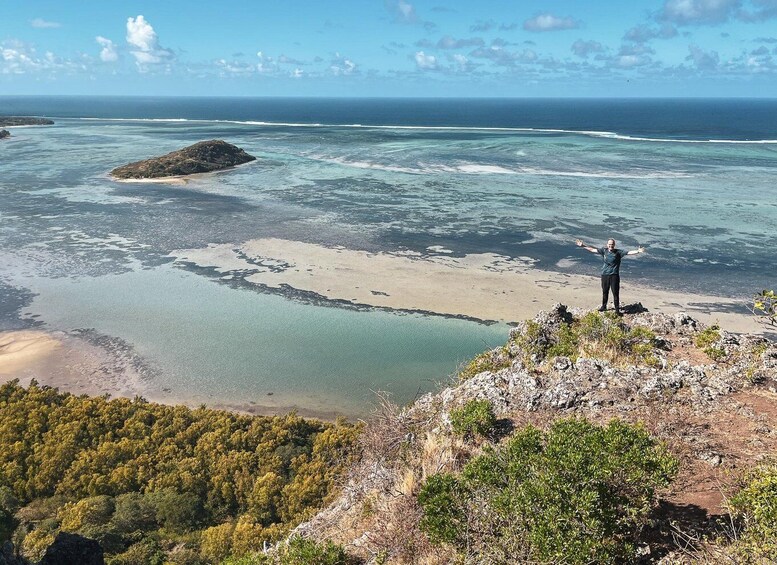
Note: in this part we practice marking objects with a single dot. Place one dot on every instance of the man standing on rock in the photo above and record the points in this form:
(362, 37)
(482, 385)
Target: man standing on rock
(611, 278)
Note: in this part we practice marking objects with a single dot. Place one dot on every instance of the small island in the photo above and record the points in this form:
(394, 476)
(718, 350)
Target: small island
(4, 133)
(10, 121)
(202, 157)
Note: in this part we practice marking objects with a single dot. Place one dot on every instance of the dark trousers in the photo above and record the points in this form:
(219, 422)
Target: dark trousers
(611, 282)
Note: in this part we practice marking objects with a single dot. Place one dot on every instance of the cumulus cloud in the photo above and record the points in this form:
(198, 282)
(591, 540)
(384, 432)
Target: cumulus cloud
(144, 43)
(234, 68)
(342, 66)
(585, 48)
(40, 23)
(297, 73)
(463, 64)
(425, 62)
(644, 33)
(503, 57)
(703, 60)
(18, 57)
(698, 12)
(448, 42)
(764, 10)
(549, 22)
(108, 53)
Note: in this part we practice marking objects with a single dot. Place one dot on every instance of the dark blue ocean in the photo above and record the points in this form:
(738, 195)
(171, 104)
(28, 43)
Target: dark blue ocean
(694, 119)
(692, 180)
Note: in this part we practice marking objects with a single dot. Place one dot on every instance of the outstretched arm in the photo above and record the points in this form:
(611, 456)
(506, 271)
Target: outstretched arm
(579, 243)
(636, 251)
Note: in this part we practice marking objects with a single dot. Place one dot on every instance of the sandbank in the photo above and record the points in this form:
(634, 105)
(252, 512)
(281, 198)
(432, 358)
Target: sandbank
(69, 363)
(483, 286)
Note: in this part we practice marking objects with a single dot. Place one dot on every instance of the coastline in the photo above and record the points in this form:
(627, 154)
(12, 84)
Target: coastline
(486, 287)
(483, 286)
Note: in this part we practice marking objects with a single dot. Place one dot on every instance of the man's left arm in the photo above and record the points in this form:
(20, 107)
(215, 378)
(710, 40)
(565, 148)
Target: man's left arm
(636, 251)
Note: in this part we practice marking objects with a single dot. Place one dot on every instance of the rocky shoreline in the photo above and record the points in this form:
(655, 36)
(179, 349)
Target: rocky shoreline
(707, 393)
(202, 157)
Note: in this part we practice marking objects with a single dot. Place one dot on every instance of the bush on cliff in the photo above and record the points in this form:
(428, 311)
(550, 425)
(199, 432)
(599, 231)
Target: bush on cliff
(755, 508)
(578, 493)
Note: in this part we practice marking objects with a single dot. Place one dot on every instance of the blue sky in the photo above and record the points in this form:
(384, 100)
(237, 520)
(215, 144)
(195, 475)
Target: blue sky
(390, 48)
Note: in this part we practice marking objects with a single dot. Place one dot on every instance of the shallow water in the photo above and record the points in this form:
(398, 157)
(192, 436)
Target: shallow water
(96, 253)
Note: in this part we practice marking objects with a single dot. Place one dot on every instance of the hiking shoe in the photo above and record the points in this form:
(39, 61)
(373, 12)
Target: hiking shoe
(618, 312)
(602, 309)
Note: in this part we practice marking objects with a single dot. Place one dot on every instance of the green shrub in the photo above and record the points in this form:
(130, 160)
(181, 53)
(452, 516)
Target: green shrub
(493, 361)
(301, 551)
(708, 340)
(567, 343)
(755, 506)
(475, 418)
(146, 552)
(578, 493)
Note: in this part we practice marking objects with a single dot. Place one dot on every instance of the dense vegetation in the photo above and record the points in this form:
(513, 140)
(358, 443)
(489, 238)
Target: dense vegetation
(578, 493)
(157, 483)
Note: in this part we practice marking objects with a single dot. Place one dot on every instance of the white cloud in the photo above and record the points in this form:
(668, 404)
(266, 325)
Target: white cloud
(584, 48)
(448, 42)
(698, 12)
(703, 60)
(425, 62)
(342, 66)
(40, 23)
(108, 53)
(297, 73)
(549, 22)
(145, 43)
(18, 57)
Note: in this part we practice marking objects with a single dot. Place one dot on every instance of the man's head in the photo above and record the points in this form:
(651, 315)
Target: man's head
(610, 243)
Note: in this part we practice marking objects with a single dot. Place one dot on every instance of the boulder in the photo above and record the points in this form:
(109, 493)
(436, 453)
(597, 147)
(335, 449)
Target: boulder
(69, 549)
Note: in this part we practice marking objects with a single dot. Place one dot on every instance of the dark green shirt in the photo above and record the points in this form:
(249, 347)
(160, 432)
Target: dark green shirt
(611, 260)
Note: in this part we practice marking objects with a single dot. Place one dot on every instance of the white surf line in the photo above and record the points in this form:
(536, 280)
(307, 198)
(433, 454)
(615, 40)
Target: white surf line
(589, 133)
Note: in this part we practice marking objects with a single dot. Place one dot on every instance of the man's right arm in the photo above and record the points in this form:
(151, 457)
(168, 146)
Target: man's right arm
(579, 243)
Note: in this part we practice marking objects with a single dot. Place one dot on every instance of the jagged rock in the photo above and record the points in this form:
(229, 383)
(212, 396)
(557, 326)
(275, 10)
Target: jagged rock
(202, 157)
(6, 121)
(69, 549)
(4, 133)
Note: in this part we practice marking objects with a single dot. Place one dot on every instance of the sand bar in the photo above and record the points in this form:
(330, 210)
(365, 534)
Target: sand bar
(483, 286)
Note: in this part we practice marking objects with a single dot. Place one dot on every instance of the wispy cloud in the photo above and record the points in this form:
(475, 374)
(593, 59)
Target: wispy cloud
(402, 11)
(108, 53)
(144, 43)
(40, 23)
(449, 42)
(644, 33)
(549, 22)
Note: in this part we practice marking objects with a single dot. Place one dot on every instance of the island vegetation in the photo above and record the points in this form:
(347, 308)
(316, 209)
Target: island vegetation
(202, 157)
(9, 121)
